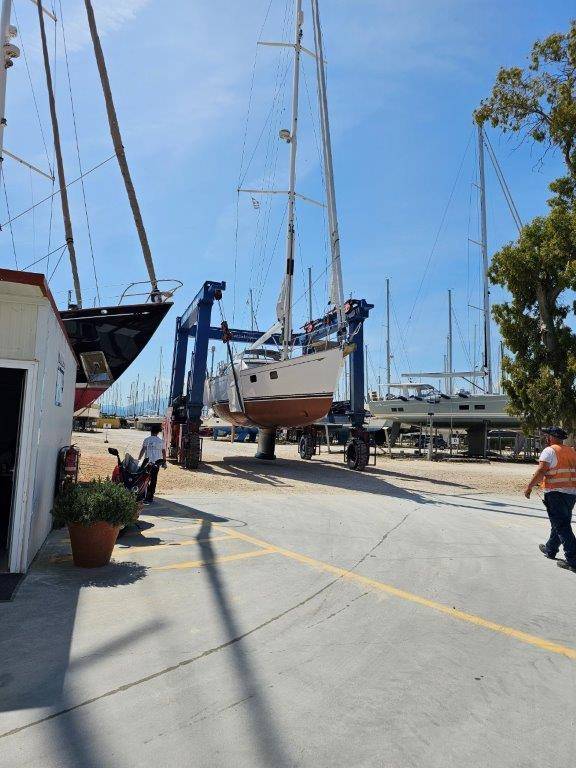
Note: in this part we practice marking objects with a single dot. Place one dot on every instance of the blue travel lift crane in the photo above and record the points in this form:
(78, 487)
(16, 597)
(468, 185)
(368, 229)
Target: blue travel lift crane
(185, 407)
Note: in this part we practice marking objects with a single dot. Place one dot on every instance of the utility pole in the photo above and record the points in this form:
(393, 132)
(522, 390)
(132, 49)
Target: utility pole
(449, 362)
(388, 335)
(310, 315)
(484, 246)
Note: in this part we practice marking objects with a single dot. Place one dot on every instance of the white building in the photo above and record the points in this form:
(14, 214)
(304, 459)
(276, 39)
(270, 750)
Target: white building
(37, 384)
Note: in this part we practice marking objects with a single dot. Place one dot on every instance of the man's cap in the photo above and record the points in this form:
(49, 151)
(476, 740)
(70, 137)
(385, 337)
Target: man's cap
(556, 432)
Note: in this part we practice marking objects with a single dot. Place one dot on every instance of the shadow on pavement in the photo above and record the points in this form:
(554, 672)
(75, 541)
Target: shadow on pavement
(35, 645)
(321, 473)
(267, 738)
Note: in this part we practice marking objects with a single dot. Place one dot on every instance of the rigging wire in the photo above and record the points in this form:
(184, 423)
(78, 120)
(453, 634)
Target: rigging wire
(439, 231)
(35, 101)
(322, 176)
(400, 335)
(57, 192)
(75, 125)
(8, 211)
(243, 172)
(33, 264)
(274, 118)
(503, 184)
(58, 262)
(462, 340)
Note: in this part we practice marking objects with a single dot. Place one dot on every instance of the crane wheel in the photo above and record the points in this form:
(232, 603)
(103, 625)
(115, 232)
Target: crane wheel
(306, 447)
(357, 454)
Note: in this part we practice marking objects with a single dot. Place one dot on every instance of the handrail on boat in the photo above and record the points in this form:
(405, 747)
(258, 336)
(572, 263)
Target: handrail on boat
(155, 297)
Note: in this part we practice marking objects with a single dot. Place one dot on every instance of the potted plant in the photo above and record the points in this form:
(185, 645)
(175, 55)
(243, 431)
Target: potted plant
(94, 513)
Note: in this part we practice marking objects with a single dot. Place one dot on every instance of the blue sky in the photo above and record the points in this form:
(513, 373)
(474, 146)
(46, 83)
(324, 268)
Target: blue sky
(403, 81)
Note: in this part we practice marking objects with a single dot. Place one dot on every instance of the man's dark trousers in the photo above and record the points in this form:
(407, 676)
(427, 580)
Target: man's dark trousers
(559, 507)
(154, 477)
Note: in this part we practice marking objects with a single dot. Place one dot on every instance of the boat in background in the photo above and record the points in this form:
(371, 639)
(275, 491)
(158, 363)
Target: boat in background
(105, 339)
(271, 389)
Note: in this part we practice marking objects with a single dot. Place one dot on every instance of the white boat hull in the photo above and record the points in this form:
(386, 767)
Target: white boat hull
(455, 411)
(287, 393)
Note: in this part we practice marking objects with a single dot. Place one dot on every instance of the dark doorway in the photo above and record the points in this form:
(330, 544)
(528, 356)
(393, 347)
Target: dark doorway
(11, 396)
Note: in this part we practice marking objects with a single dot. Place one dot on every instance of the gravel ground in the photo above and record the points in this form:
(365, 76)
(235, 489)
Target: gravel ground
(231, 467)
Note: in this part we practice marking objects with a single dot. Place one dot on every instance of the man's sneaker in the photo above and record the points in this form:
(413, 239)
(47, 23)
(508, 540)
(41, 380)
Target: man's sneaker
(542, 548)
(566, 566)
(147, 503)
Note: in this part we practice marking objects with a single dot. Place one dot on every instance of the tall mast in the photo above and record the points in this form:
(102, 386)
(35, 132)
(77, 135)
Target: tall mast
(4, 41)
(290, 233)
(484, 246)
(449, 364)
(388, 335)
(336, 288)
(59, 162)
(119, 147)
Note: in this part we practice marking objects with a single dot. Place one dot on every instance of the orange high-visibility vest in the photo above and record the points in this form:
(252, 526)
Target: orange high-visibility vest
(563, 475)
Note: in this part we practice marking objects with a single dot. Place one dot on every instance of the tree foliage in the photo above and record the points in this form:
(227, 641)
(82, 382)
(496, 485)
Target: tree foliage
(540, 101)
(539, 269)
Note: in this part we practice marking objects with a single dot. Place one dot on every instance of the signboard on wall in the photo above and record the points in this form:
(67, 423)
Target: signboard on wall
(60, 370)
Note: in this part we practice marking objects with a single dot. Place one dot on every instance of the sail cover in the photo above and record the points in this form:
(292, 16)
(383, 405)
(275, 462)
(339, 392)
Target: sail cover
(281, 303)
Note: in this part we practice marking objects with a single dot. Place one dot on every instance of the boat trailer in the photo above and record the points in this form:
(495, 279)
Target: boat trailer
(184, 415)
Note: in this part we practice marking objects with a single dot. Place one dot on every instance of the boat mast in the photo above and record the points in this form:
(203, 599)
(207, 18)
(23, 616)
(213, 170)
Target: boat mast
(449, 364)
(4, 64)
(69, 235)
(484, 247)
(387, 335)
(290, 232)
(119, 148)
(336, 288)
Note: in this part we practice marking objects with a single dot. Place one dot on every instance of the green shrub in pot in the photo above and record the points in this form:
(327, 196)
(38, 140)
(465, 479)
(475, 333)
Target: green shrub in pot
(94, 513)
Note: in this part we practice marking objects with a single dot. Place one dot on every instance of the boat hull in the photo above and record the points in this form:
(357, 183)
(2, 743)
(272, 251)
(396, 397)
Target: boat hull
(450, 412)
(106, 340)
(289, 393)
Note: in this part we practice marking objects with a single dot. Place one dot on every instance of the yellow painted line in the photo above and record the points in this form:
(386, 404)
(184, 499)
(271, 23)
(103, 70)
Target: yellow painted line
(119, 550)
(215, 561)
(470, 618)
(172, 528)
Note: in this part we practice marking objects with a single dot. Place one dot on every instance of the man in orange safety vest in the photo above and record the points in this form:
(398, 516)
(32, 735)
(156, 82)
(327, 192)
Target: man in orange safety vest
(556, 474)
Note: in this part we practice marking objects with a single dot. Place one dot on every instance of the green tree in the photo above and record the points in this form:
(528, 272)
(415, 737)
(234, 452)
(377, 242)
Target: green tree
(539, 269)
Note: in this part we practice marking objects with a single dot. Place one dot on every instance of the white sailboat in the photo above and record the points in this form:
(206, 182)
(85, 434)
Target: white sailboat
(278, 388)
(416, 402)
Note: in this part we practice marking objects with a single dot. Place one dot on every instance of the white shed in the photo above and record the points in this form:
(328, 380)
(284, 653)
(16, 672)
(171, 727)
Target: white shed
(37, 384)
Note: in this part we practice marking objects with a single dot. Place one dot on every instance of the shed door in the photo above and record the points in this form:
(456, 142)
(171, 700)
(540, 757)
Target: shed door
(12, 382)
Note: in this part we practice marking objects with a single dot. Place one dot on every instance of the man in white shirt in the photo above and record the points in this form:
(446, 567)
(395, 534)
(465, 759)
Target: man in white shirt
(557, 475)
(153, 449)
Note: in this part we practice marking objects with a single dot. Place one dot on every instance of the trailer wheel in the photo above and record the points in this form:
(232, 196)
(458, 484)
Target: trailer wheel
(306, 447)
(357, 454)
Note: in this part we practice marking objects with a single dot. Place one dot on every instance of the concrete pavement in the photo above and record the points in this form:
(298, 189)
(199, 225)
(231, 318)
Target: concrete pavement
(327, 629)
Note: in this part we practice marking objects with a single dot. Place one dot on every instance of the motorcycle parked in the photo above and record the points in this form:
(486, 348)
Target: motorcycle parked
(133, 475)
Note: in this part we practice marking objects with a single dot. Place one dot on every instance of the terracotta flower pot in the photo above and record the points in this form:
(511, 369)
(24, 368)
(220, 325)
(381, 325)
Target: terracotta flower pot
(92, 545)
